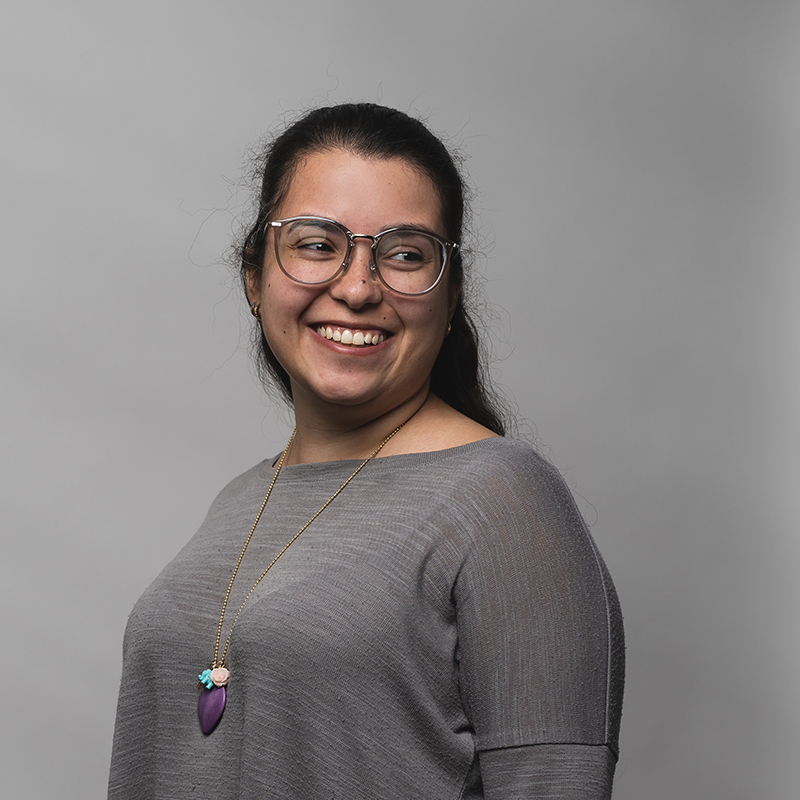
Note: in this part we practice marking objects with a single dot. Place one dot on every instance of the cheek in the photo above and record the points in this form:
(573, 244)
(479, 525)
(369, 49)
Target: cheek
(284, 305)
(436, 312)
(269, 271)
(427, 324)
(267, 281)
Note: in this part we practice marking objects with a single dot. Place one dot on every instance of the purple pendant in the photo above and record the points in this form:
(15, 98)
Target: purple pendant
(210, 706)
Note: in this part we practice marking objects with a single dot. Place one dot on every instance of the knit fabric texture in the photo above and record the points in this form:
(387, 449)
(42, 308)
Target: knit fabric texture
(445, 629)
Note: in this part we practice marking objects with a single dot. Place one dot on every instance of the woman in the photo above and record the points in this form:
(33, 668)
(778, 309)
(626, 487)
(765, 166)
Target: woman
(418, 610)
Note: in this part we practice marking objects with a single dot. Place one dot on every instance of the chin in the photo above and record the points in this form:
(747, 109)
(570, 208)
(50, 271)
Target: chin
(339, 393)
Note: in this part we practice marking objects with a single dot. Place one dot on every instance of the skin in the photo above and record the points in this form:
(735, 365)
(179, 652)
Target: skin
(347, 399)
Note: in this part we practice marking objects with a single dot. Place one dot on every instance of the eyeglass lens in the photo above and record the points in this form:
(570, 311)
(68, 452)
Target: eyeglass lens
(313, 251)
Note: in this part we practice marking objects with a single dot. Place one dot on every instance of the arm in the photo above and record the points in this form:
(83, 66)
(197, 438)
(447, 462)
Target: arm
(541, 651)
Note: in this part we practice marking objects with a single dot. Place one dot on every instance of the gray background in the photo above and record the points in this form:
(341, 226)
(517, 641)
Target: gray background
(637, 197)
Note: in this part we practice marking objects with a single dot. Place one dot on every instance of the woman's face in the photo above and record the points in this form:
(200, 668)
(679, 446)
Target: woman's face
(366, 196)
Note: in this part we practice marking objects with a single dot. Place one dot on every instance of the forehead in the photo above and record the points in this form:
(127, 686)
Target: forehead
(359, 191)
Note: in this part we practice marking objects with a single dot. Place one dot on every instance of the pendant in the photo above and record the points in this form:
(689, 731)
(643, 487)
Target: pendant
(211, 702)
(210, 706)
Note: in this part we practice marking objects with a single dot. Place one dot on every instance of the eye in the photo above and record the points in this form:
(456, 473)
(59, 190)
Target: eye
(407, 250)
(315, 246)
(314, 240)
(401, 256)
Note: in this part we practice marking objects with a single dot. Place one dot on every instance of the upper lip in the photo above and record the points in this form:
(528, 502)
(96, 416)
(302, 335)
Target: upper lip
(351, 326)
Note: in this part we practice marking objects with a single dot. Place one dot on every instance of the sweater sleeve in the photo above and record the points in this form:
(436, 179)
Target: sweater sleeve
(548, 772)
(541, 651)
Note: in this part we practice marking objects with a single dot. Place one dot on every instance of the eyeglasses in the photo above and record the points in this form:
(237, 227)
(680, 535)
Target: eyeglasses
(315, 250)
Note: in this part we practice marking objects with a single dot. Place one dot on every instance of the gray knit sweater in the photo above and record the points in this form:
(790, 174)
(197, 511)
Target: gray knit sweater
(446, 629)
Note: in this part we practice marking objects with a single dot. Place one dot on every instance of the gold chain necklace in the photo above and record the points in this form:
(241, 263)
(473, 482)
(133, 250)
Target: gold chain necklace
(213, 680)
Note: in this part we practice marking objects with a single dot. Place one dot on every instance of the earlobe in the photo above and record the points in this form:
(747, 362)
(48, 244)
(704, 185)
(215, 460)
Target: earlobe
(252, 285)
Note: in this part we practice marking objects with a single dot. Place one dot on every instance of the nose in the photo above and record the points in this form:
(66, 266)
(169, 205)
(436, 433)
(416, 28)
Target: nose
(358, 284)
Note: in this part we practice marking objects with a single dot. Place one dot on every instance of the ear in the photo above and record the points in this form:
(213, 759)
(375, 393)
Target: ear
(252, 280)
(253, 284)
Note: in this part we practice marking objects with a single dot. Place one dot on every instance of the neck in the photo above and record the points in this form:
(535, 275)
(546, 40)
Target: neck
(349, 434)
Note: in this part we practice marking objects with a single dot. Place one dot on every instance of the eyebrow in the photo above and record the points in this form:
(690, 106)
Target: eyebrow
(413, 226)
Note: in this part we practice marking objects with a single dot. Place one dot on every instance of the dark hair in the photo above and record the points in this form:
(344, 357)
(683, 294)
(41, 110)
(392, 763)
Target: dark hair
(378, 132)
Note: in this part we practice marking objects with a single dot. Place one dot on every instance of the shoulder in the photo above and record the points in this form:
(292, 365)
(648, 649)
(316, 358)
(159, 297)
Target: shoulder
(504, 494)
(251, 482)
(483, 489)
(483, 470)
(499, 461)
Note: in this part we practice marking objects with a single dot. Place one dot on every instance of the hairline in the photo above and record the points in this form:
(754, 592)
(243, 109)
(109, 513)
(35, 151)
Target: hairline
(303, 154)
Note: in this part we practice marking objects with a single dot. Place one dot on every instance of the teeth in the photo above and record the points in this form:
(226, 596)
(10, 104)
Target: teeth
(357, 339)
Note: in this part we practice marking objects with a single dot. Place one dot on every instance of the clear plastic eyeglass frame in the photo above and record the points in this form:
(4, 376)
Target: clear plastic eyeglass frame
(447, 249)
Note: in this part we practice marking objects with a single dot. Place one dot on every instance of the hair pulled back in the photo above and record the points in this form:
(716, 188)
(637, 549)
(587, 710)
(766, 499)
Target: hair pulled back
(375, 131)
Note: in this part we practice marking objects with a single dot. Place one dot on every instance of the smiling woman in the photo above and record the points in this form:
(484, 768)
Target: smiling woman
(418, 610)
(332, 380)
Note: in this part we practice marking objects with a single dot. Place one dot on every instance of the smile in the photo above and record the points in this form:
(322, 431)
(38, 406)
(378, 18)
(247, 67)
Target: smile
(355, 338)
